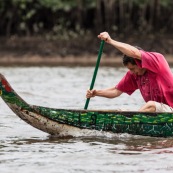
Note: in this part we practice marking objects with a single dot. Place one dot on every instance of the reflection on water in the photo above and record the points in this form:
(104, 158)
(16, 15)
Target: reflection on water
(28, 150)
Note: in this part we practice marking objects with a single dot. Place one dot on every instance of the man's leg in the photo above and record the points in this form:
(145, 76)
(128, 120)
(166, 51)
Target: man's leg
(148, 107)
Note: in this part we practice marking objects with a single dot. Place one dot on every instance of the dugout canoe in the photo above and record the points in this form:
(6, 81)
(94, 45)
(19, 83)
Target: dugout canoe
(66, 122)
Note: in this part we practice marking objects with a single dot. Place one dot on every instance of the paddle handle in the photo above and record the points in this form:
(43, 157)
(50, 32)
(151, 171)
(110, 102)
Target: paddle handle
(95, 71)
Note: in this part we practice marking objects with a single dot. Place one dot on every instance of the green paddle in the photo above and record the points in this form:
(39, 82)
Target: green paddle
(95, 71)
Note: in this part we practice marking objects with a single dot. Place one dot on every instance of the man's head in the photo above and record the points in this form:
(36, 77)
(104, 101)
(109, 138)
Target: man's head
(130, 63)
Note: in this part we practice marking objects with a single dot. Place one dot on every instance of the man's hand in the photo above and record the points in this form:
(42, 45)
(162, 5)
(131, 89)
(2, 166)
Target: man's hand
(105, 36)
(90, 93)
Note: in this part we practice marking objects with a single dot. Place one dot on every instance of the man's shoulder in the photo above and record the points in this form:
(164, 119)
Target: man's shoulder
(148, 54)
(151, 53)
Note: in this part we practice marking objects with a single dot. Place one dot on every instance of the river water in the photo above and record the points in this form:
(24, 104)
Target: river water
(28, 150)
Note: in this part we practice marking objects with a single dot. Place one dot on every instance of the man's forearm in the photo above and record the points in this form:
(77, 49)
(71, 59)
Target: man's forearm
(108, 93)
(126, 49)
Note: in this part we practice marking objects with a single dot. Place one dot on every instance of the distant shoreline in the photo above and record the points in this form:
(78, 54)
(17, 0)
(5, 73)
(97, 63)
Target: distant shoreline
(71, 61)
(38, 51)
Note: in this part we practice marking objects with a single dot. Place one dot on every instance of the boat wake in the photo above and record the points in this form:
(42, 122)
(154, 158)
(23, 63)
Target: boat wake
(76, 132)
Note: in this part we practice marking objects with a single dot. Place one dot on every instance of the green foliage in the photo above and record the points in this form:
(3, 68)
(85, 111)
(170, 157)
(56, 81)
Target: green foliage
(59, 17)
(59, 4)
(166, 3)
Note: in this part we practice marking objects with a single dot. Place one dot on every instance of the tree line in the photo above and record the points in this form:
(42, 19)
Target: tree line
(59, 17)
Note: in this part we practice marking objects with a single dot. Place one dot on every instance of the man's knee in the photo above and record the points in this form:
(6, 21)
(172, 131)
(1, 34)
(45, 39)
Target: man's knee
(151, 104)
(148, 107)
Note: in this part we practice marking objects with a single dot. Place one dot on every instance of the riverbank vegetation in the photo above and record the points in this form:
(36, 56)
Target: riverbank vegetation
(71, 26)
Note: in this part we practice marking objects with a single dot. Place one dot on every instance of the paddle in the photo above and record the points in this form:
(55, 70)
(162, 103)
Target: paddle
(95, 71)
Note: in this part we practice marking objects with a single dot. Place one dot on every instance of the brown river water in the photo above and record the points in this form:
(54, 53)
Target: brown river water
(28, 150)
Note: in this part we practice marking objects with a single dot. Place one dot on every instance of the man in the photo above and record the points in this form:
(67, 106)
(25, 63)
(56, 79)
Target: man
(148, 71)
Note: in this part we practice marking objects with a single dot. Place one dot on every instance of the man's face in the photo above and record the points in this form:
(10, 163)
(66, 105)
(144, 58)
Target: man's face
(135, 69)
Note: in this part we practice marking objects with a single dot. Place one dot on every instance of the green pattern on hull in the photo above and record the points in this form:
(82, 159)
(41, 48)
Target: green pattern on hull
(116, 122)
(138, 123)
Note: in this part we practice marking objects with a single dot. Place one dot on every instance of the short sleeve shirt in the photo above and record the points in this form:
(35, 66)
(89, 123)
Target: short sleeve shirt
(157, 82)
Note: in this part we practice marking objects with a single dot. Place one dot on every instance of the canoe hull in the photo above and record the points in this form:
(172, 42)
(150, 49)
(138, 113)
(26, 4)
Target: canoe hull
(89, 122)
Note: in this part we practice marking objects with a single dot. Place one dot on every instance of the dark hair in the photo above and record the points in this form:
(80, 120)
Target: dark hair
(127, 59)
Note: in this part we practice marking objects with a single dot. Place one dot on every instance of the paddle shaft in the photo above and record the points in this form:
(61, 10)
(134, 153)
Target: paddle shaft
(95, 71)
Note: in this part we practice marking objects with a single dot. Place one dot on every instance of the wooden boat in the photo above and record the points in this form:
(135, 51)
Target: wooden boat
(67, 122)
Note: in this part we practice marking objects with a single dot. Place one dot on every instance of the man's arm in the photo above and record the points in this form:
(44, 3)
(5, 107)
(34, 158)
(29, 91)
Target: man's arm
(126, 49)
(108, 93)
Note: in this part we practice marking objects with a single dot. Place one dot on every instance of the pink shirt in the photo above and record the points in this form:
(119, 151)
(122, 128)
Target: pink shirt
(157, 82)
